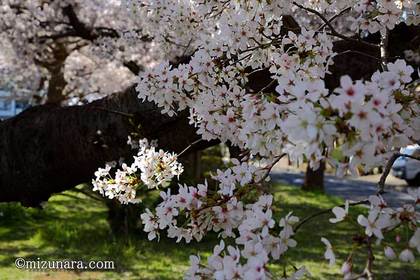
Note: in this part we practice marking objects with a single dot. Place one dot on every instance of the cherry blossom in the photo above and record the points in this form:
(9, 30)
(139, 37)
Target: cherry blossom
(156, 169)
(346, 268)
(329, 254)
(373, 224)
(340, 213)
(389, 253)
(407, 256)
(415, 240)
(295, 113)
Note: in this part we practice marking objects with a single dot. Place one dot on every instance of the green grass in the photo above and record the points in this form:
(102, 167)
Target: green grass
(77, 229)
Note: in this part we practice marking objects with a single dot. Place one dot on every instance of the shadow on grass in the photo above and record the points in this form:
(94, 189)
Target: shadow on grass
(77, 230)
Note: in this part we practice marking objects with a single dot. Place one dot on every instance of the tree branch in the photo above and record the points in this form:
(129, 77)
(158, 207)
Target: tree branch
(326, 211)
(370, 259)
(388, 166)
(328, 23)
(48, 149)
(78, 26)
(384, 50)
(335, 17)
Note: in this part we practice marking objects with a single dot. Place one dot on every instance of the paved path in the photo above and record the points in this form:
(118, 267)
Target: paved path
(352, 189)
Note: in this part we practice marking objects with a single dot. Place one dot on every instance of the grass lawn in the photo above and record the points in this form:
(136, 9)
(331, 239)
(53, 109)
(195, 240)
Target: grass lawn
(76, 229)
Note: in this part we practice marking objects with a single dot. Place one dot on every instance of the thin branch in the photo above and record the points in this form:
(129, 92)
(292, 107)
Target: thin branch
(128, 115)
(360, 53)
(190, 146)
(388, 166)
(326, 211)
(81, 30)
(333, 31)
(75, 22)
(384, 49)
(409, 156)
(269, 167)
(370, 259)
(86, 193)
(68, 33)
(166, 38)
(107, 32)
(133, 67)
(266, 87)
(358, 276)
(186, 48)
(241, 191)
(335, 17)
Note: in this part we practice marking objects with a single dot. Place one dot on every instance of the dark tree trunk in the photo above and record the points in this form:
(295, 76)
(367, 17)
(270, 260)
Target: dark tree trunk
(56, 85)
(194, 164)
(48, 149)
(314, 179)
(123, 219)
(54, 62)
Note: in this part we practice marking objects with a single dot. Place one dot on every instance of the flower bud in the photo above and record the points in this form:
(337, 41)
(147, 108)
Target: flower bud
(346, 267)
(407, 256)
(389, 253)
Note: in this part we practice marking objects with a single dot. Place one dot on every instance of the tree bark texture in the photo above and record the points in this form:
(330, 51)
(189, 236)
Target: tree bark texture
(48, 149)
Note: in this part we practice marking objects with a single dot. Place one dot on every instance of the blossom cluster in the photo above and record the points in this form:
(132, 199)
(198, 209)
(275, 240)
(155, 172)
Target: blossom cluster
(383, 227)
(223, 49)
(361, 15)
(251, 120)
(255, 237)
(377, 115)
(380, 15)
(359, 123)
(365, 120)
(194, 203)
(194, 211)
(151, 168)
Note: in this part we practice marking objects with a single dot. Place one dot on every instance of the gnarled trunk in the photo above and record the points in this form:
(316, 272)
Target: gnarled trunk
(48, 149)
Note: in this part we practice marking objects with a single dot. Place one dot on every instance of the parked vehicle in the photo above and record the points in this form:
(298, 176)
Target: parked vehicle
(408, 169)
